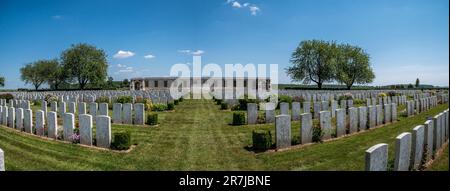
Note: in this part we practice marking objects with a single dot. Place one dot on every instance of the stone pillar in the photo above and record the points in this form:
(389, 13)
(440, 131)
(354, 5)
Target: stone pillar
(40, 123)
(139, 114)
(417, 146)
(28, 121)
(252, 113)
(341, 121)
(69, 126)
(402, 152)
(103, 133)
(306, 128)
(52, 123)
(377, 157)
(353, 119)
(325, 124)
(85, 129)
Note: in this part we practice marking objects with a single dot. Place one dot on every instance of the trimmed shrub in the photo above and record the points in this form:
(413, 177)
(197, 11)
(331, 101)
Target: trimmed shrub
(159, 107)
(37, 102)
(124, 99)
(317, 132)
(170, 106)
(175, 102)
(102, 99)
(262, 140)
(298, 99)
(392, 93)
(238, 118)
(121, 141)
(358, 101)
(223, 106)
(152, 119)
(219, 101)
(181, 99)
(50, 98)
(147, 103)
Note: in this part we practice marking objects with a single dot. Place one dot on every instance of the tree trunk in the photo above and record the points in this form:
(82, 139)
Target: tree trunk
(349, 87)
(319, 84)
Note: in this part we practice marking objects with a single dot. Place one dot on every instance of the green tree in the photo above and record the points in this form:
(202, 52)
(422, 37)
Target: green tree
(86, 64)
(410, 86)
(352, 66)
(313, 60)
(56, 75)
(417, 82)
(110, 83)
(2, 81)
(125, 83)
(35, 73)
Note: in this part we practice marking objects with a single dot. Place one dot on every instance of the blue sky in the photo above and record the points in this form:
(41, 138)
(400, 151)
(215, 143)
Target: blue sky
(406, 39)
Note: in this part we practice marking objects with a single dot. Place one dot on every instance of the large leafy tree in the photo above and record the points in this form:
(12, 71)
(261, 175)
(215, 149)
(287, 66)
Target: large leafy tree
(313, 61)
(352, 66)
(2, 81)
(86, 64)
(56, 74)
(417, 82)
(35, 73)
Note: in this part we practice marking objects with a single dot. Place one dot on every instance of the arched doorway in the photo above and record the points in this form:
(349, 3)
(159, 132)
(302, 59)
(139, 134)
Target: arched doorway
(137, 85)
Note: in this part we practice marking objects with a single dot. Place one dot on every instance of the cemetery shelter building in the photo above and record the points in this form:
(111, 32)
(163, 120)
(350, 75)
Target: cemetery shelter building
(162, 83)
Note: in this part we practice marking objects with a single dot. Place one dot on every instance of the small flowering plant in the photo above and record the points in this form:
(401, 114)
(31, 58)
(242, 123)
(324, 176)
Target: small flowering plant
(75, 136)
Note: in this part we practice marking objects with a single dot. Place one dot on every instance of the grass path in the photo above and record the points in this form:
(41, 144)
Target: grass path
(197, 137)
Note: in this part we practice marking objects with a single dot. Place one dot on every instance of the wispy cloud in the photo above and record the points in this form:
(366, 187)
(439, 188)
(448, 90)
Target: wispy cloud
(124, 69)
(56, 17)
(254, 10)
(123, 54)
(196, 53)
(149, 56)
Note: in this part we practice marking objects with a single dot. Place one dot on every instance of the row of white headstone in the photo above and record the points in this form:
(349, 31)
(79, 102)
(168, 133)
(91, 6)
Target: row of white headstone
(410, 147)
(22, 120)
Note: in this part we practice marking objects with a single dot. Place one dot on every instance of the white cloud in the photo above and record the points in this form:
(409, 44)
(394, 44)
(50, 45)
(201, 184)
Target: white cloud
(57, 17)
(123, 54)
(254, 9)
(184, 51)
(149, 56)
(236, 4)
(196, 53)
(126, 70)
(121, 66)
(246, 4)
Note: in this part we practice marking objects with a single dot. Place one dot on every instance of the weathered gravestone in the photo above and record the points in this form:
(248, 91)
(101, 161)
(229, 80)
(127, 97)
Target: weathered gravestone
(85, 129)
(325, 124)
(379, 110)
(377, 157)
(402, 152)
(306, 128)
(295, 111)
(316, 108)
(11, 117)
(252, 113)
(103, 131)
(394, 112)
(93, 108)
(417, 146)
(117, 113)
(362, 118)
(437, 132)
(68, 126)
(2, 160)
(270, 112)
(40, 123)
(139, 114)
(19, 119)
(283, 131)
(284, 108)
(428, 138)
(28, 121)
(103, 109)
(127, 113)
(387, 113)
(340, 122)
(52, 123)
(306, 107)
(81, 108)
(353, 119)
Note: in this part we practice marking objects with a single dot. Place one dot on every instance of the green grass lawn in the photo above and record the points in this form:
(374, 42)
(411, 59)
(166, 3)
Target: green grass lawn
(197, 136)
(441, 162)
